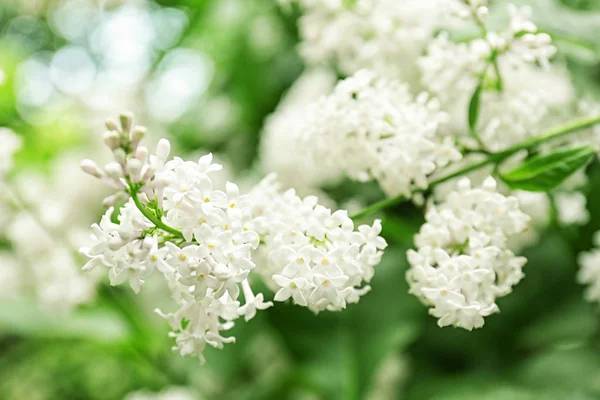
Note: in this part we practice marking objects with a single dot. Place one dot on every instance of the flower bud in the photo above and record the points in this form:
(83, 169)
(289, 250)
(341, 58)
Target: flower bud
(111, 125)
(126, 121)
(90, 167)
(112, 139)
(120, 156)
(113, 170)
(163, 148)
(136, 135)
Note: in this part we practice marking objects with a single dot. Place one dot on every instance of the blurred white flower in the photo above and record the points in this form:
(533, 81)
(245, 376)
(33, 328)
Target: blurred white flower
(11, 143)
(589, 273)
(372, 128)
(468, 9)
(49, 266)
(386, 36)
(284, 149)
(538, 206)
(529, 100)
(572, 208)
(40, 218)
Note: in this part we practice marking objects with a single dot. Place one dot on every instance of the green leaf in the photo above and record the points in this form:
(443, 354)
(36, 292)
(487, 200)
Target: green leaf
(474, 108)
(545, 172)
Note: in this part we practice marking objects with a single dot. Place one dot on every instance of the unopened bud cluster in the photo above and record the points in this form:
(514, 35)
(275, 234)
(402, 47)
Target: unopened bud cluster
(132, 165)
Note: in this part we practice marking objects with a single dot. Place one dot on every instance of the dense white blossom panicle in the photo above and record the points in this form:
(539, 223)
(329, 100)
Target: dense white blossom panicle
(527, 102)
(172, 393)
(386, 36)
(449, 69)
(283, 148)
(11, 142)
(517, 97)
(510, 116)
(313, 255)
(372, 128)
(589, 272)
(462, 262)
(199, 237)
(519, 42)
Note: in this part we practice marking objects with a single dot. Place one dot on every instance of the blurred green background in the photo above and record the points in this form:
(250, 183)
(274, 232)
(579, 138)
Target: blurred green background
(206, 73)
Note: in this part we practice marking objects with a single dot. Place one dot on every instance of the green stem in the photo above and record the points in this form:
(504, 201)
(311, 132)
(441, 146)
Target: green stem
(499, 82)
(493, 158)
(156, 221)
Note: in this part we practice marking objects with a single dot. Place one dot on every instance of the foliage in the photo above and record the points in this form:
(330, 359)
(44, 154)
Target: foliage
(544, 345)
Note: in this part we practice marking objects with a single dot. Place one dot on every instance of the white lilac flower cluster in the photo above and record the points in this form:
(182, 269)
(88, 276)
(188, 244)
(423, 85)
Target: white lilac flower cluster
(371, 128)
(204, 254)
(589, 273)
(312, 255)
(516, 96)
(201, 239)
(386, 36)
(462, 263)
